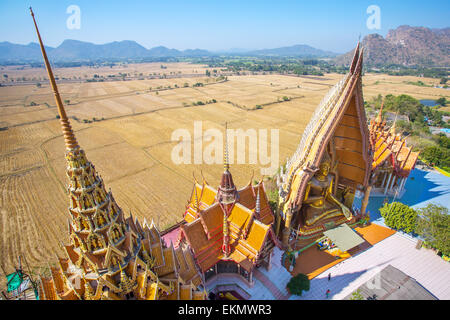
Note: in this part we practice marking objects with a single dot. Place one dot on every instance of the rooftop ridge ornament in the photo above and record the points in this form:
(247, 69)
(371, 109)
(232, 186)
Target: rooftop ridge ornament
(380, 113)
(257, 206)
(355, 59)
(69, 137)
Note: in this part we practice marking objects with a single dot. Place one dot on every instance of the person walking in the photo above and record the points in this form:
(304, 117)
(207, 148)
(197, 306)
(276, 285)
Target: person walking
(329, 276)
(327, 294)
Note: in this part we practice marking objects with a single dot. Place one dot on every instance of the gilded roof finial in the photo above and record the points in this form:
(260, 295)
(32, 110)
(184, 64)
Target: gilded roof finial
(380, 113)
(226, 165)
(71, 141)
(392, 131)
(355, 59)
(197, 206)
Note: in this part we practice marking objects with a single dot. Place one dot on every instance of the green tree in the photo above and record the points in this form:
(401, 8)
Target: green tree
(399, 216)
(437, 156)
(433, 225)
(298, 284)
(442, 101)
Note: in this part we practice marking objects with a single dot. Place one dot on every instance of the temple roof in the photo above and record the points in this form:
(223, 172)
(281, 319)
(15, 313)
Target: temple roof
(204, 228)
(340, 120)
(390, 149)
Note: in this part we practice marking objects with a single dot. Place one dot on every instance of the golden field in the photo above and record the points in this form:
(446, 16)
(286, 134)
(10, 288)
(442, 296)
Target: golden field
(131, 145)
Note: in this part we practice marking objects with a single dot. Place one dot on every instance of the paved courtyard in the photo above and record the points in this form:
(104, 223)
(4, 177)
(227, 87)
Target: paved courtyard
(423, 265)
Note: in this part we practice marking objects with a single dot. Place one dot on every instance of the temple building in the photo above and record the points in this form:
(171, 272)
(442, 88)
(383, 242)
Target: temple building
(111, 256)
(229, 230)
(393, 160)
(331, 166)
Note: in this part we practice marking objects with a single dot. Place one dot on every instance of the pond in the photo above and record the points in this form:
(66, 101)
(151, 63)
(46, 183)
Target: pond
(428, 102)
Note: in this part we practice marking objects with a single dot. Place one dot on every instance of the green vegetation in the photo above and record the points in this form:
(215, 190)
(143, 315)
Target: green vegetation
(357, 295)
(399, 216)
(418, 83)
(283, 65)
(433, 225)
(438, 156)
(298, 284)
(442, 101)
(400, 70)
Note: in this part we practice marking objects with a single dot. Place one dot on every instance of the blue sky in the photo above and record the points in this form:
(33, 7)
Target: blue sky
(216, 25)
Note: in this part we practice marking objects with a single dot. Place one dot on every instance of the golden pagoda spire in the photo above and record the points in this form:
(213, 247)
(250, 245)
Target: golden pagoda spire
(226, 165)
(126, 285)
(69, 137)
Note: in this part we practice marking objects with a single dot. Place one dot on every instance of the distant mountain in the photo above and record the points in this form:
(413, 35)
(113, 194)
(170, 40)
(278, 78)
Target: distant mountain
(408, 46)
(300, 50)
(29, 52)
(71, 50)
(74, 50)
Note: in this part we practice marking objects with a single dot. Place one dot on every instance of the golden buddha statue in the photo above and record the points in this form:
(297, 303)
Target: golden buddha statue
(101, 220)
(319, 202)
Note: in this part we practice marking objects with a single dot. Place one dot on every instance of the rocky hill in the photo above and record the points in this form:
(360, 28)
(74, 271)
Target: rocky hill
(408, 46)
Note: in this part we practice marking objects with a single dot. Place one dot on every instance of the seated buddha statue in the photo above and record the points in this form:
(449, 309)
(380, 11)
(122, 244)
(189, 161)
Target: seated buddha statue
(319, 202)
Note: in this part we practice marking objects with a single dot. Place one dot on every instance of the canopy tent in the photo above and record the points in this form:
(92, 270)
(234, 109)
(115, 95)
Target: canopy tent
(344, 237)
(14, 280)
(18, 285)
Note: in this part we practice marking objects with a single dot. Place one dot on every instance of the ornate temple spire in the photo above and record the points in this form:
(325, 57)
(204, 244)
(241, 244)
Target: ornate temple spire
(126, 285)
(227, 193)
(69, 137)
(97, 222)
(226, 165)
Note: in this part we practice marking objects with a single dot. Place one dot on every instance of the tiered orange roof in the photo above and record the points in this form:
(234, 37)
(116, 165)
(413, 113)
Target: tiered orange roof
(388, 145)
(204, 228)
